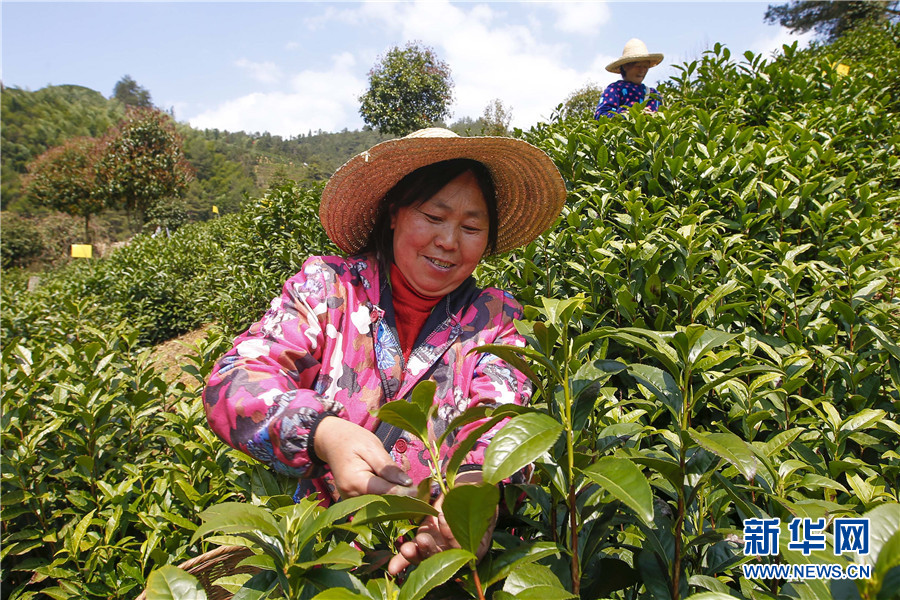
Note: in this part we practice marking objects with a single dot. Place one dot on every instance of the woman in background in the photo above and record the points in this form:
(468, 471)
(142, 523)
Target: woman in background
(630, 90)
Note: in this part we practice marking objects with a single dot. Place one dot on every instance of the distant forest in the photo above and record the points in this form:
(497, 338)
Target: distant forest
(229, 165)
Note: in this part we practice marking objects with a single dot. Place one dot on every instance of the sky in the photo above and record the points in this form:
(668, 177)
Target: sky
(294, 67)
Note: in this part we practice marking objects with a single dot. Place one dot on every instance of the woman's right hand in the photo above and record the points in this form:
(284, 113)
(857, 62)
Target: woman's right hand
(358, 461)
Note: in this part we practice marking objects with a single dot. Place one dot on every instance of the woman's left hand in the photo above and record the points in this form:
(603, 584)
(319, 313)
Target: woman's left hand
(434, 535)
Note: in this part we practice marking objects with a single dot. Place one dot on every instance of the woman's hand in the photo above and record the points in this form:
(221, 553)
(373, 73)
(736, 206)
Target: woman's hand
(434, 535)
(358, 461)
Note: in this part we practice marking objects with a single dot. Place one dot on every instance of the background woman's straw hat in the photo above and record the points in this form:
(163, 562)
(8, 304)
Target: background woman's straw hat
(530, 191)
(635, 50)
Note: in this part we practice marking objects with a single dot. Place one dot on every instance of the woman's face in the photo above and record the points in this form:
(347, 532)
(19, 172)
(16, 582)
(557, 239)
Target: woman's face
(636, 71)
(437, 244)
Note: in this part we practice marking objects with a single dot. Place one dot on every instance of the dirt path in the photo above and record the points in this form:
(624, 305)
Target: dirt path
(169, 356)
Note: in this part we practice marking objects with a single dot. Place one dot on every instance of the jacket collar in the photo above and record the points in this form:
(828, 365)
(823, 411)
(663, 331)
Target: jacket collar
(440, 330)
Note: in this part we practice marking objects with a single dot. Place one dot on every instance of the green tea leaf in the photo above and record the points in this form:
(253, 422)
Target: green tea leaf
(537, 582)
(405, 415)
(730, 447)
(469, 510)
(342, 554)
(661, 384)
(501, 566)
(434, 571)
(236, 517)
(626, 482)
(171, 583)
(522, 440)
(256, 587)
(340, 594)
(393, 508)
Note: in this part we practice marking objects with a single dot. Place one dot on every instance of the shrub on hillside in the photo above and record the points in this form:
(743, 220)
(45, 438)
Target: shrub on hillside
(20, 243)
(226, 270)
(44, 241)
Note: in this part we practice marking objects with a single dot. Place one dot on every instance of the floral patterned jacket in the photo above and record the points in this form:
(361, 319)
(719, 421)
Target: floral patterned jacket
(328, 346)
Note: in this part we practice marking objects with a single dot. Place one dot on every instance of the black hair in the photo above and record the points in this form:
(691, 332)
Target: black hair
(419, 187)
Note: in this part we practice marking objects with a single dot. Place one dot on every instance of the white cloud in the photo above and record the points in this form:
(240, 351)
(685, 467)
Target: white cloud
(490, 56)
(325, 99)
(491, 50)
(580, 17)
(264, 72)
(769, 45)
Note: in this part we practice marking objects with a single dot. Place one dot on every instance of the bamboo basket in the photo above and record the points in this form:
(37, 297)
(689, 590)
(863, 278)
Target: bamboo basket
(212, 565)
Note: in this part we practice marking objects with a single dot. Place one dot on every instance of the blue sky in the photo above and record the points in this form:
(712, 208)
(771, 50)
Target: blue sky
(291, 67)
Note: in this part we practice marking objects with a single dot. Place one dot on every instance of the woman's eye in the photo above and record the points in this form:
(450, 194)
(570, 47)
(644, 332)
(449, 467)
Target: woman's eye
(432, 218)
(470, 229)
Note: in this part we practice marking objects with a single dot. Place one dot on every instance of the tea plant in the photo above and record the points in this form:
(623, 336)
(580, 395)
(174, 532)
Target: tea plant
(713, 332)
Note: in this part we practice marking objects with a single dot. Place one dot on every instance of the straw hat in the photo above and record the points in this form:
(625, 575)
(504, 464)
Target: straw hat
(530, 191)
(635, 50)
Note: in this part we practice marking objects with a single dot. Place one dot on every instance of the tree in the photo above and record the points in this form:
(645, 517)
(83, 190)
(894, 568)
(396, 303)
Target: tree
(830, 18)
(582, 102)
(142, 162)
(409, 88)
(496, 118)
(129, 93)
(64, 178)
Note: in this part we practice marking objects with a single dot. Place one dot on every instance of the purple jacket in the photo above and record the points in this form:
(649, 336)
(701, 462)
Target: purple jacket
(326, 347)
(620, 95)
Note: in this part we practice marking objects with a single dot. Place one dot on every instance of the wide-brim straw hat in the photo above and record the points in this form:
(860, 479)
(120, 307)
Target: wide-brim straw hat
(530, 191)
(635, 50)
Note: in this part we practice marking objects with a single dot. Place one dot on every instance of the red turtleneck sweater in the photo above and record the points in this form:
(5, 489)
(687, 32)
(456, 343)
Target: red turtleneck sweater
(411, 310)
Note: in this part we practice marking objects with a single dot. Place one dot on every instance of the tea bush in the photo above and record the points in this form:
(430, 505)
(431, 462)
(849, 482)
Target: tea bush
(737, 255)
(713, 333)
(105, 461)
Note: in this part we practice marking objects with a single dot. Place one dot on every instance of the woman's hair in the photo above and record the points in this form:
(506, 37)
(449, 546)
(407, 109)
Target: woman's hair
(419, 187)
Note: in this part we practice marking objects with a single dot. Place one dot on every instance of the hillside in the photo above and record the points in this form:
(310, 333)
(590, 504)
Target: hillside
(36, 121)
(230, 166)
(713, 335)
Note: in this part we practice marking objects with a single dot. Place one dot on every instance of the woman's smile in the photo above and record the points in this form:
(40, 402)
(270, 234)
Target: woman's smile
(438, 243)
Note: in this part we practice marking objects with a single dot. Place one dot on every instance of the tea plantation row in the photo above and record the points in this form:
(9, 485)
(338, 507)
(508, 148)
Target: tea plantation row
(716, 311)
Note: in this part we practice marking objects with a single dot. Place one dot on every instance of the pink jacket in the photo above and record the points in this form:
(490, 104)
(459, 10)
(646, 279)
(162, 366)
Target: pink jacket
(325, 347)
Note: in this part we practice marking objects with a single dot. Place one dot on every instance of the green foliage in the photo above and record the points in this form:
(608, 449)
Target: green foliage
(128, 92)
(712, 332)
(228, 167)
(102, 462)
(830, 19)
(34, 122)
(165, 286)
(409, 88)
(496, 118)
(167, 215)
(64, 179)
(141, 163)
(105, 460)
(737, 257)
(20, 243)
(581, 103)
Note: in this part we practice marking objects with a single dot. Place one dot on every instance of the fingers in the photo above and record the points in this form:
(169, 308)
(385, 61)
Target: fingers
(446, 532)
(429, 540)
(389, 478)
(405, 556)
(358, 461)
(414, 552)
(379, 485)
(392, 473)
(426, 546)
